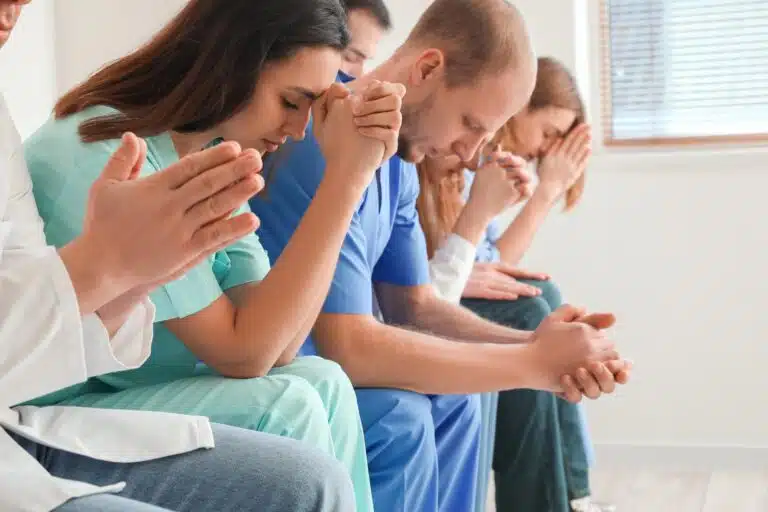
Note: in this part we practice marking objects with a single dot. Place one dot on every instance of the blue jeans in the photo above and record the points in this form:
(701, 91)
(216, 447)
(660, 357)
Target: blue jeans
(422, 449)
(245, 471)
(542, 450)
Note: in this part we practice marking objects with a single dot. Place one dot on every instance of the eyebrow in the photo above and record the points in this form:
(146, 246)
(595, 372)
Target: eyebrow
(359, 53)
(477, 124)
(306, 93)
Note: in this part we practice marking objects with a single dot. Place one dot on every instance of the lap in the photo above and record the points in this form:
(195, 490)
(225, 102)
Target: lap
(241, 402)
(245, 471)
(107, 503)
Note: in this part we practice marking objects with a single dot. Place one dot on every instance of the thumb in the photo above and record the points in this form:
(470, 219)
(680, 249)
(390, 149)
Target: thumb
(566, 313)
(599, 321)
(123, 161)
(322, 106)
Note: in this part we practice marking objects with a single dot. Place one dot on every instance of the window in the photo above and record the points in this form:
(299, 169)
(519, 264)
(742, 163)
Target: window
(678, 71)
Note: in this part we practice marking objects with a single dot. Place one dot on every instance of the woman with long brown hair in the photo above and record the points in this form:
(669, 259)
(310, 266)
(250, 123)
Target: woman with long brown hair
(244, 73)
(542, 449)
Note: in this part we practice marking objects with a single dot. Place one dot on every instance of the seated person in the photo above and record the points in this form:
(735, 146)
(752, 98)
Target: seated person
(416, 374)
(80, 311)
(247, 73)
(550, 469)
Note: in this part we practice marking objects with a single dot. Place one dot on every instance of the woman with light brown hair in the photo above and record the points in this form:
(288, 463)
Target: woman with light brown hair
(542, 450)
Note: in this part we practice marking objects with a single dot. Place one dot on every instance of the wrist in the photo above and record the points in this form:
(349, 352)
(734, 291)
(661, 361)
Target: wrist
(472, 223)
(95, 282)
(343, 183)
(549, 191)
(478, 209)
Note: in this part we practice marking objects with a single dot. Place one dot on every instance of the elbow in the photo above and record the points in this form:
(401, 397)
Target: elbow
(419, 302)
(285, 359)
(345, 342)
(244, 370)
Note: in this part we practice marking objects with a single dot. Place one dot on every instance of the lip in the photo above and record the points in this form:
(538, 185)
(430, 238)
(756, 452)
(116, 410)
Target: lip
(271, 146)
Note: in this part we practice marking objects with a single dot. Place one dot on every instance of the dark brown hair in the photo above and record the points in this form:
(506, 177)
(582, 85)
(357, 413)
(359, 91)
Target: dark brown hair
(477, 37)
(376, 8)
(203, 66)
(440, 201)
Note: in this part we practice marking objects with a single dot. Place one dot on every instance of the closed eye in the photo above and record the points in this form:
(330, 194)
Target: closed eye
(287, 104)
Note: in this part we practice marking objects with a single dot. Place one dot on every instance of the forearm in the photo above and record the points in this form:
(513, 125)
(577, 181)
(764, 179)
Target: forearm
(301, 276)
(453, 321)
(472, 223)
(378, 355)
(292, 350)
(518, 237)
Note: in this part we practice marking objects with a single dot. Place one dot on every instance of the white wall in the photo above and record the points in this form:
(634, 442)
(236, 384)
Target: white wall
(91, 33)
(27, 61)
(674, 243)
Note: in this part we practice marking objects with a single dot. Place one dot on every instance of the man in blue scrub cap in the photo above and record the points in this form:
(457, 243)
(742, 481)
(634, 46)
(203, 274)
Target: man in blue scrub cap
(468, 66)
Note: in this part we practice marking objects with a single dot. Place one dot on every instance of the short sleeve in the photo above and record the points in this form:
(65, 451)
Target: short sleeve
(351, 290)
(241, 263)
(63, 169)
(404, 261)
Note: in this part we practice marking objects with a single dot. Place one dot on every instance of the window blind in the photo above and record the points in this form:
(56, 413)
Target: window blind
(685, 70)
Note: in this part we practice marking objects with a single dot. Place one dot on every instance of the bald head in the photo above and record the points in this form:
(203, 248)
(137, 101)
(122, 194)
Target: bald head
(477, 38)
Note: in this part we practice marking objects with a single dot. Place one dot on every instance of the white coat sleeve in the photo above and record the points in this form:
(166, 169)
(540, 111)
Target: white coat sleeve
(451, 267)
(45, 345)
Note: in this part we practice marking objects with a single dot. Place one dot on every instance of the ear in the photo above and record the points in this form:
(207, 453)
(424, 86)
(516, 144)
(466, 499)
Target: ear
(429, 66)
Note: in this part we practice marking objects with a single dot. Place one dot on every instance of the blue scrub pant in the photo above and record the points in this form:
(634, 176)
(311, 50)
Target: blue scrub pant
(422, 449)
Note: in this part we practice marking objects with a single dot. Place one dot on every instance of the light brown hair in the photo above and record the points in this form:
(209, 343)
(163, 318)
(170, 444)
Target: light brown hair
(477, 37)
(440, 201)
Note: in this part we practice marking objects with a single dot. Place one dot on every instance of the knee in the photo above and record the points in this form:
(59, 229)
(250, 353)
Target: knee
(530, 313)
(468, 411)
(398, 421)
(330, 485)
(327, 377)
(289, 402)
(550, 292)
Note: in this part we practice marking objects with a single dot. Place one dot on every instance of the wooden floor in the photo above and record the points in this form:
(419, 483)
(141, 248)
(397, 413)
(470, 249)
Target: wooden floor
(658, 491)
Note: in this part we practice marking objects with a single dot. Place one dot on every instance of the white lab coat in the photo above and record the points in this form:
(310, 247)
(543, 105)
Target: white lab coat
(45, 346)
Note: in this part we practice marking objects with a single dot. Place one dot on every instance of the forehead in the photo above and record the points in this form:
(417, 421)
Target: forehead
(492, 100)
(364, 29)
(559, 118)
(311, 68)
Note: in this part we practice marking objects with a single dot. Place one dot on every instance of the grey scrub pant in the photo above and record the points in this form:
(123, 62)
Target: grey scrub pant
(246, 471)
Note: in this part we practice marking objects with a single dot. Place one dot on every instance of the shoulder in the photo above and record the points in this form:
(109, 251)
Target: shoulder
(57, 145)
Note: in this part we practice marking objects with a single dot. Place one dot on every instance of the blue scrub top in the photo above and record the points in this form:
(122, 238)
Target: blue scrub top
(384, 243)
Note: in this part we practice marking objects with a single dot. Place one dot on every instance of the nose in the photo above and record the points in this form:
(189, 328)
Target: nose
(466, 150)
(296, 126)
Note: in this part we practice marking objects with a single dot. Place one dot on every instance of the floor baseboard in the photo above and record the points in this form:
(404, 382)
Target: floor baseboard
(684, 458)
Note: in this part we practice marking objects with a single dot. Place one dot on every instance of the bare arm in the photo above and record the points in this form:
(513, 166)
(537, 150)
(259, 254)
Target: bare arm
(420, 308)
(518, 237)
(558, 170)
(378, 355)
(268, 321)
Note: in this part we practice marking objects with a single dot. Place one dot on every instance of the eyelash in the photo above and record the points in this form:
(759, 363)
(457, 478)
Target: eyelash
(289, 105)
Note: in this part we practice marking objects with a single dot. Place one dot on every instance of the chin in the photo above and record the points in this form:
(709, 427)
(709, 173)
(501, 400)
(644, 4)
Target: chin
(409, 152)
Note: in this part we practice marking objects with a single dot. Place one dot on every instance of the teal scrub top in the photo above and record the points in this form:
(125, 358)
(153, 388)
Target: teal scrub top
(63, 169)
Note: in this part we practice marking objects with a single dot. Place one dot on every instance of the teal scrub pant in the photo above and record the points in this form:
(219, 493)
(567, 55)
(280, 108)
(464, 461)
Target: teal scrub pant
(542, 451)
(311, 400)
(422, 449)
